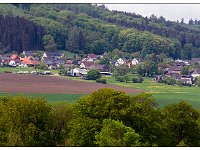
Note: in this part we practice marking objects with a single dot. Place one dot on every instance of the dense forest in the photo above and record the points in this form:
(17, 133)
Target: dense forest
(90, 28)
(103, 118)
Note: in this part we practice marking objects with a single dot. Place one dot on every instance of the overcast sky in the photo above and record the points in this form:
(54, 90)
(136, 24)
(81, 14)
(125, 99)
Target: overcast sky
(172, 12)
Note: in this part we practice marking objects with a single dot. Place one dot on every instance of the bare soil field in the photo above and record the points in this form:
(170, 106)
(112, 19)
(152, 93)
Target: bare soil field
(21, 83)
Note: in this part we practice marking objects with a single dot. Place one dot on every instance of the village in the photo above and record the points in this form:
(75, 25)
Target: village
(78, 67)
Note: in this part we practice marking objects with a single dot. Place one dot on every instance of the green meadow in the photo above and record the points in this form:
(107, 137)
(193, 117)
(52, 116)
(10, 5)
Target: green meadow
(164, 94)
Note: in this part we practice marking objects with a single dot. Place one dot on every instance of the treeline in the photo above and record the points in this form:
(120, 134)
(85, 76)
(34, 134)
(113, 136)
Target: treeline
(18, 34)
(103, 118)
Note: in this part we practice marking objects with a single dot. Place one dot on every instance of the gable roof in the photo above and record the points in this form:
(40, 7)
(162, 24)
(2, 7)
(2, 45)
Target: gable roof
(88, 63)
(29, 61)
(14, 56)
(91, 56)
(97, 67)
(197, 71)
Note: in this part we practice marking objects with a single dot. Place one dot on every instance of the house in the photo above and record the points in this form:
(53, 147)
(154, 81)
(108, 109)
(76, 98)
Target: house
(27, 53)
(5, 60)
(53, 66)
(98, 67)
(77, 72)
(69, 62)
(92, 56)
(14, 57)
(87, 59)
(12, 63)
(174, 75)
(194, 60)
(134, 62)
(196, 73)
(174, 69)
(120, 61)
(29, 61)
(86, 64)
(186, 81)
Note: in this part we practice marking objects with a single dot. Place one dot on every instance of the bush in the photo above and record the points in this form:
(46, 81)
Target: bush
(137, 79)
(93, 75)
(120, 78)
(41, 66)
(168, 80)
(63, 72)
(101, 81)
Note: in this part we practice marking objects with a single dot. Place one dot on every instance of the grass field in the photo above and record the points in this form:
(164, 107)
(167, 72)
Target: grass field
(52, 98)
(165, 94)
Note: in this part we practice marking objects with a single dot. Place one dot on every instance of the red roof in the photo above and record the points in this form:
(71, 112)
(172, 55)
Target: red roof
(29, 61)
(69, 62)
(14, 56)
(92, 56)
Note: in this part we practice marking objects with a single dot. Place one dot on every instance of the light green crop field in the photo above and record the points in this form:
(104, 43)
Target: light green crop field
(164, 94)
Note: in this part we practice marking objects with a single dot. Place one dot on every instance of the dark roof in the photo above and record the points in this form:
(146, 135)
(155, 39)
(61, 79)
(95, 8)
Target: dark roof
(174, 68)
(60, 61)
(197, 71)
(97, 66)
(88, 63)
(174, 75)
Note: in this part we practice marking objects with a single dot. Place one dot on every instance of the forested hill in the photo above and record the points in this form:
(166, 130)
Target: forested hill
(87, 28)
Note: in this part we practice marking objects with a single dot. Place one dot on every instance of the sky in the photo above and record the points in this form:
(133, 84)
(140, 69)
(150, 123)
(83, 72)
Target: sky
(171, 12)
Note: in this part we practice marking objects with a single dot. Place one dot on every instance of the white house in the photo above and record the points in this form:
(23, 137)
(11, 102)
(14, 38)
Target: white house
(76, 72)
(12, 63)
(134, 62)
(120, 61)
(196, 73)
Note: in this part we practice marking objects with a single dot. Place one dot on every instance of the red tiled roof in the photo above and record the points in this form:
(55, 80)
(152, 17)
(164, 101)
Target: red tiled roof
(29, 61)
(14, 56)
(92, 56)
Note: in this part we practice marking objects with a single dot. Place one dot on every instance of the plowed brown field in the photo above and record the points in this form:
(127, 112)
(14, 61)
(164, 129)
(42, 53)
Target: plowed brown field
(21, 83)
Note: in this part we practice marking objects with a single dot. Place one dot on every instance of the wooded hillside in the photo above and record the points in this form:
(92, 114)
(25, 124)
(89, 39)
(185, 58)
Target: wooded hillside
(87, 28)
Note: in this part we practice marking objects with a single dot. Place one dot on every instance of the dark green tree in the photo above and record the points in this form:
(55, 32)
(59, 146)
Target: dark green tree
(93, 75)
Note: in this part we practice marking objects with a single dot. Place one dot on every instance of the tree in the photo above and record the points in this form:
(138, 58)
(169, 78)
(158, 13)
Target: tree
(137, 79)
(115, 133)
(93, 75)
(187, 51)
(197, 82)
(185, 70)
(181, 124)
(49, 43)
(61, 116)
(25, 121)
(82, 131)
(168, 80)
